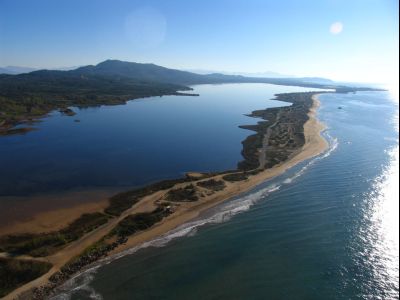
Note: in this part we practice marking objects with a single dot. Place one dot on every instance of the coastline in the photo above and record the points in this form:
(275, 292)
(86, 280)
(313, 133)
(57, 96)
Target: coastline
(314, 145)
(42, 213)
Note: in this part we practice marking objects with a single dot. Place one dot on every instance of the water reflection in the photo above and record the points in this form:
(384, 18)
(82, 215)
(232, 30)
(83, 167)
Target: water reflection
(379, 231)
(382, 231)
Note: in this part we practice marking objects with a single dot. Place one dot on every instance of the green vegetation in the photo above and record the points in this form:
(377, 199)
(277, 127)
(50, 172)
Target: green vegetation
(45, 244)
(139, 221)
(31, 95)
(88, 256)
(235, 177)
(185, 194)
(284, 129)
(128, 226)
(16, 272)
(26, 97)
(123, 201)
(212, 184)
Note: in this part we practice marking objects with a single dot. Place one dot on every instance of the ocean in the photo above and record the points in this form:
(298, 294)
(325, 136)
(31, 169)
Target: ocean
(326, 229)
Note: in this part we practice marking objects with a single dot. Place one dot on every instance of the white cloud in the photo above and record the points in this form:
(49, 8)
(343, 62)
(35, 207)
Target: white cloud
(336, 28)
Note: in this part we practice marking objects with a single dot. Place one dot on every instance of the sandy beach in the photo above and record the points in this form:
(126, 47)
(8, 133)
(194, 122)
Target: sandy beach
(314, 145)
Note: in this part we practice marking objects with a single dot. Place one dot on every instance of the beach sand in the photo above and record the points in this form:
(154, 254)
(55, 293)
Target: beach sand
(314, 145)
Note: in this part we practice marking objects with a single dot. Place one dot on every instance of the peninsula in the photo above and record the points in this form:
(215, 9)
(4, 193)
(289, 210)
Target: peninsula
(24, 98)
(34, 263)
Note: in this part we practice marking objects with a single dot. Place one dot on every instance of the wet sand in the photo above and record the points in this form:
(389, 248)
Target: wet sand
(314, 145)
(42, 213)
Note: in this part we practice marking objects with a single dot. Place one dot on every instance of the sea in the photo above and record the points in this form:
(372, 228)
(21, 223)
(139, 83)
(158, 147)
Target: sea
(328, 228)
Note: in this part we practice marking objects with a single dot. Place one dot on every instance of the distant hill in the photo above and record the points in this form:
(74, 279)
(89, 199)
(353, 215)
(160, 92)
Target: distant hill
(141, 72)
(317, 80)
(268, 74)
(110, 82)
(15, 70)
(114, 78)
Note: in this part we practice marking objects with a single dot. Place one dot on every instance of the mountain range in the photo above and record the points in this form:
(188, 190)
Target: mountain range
(15, 70)
(35, 93)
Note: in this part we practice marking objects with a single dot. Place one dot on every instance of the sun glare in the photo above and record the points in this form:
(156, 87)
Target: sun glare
(336, 28)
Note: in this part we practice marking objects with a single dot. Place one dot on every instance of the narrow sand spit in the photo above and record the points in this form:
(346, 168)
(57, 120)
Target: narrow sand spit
(314, 145)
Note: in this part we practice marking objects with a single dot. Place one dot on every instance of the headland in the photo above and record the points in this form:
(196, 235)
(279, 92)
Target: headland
(285, 137)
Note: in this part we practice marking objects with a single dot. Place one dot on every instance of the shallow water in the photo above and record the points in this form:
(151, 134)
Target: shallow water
(326, 229)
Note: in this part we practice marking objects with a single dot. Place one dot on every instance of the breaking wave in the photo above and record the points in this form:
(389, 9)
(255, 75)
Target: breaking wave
(222, 213)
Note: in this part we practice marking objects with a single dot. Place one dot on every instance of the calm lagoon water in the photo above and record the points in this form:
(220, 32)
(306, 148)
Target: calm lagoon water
(326, 229)
(134, 144)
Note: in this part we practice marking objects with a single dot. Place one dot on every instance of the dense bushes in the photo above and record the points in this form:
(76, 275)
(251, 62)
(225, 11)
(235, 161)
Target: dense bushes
(140, 221)
(185, 194)
(212, 184)
(15, 272)
(125, 200)
(235, 177)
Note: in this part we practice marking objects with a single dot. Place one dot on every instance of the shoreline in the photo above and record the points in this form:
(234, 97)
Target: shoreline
(27, 120)
(44, 212)
(314, 145)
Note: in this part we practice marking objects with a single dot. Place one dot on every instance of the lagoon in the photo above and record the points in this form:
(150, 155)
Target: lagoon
(326, 229)
(146, 140)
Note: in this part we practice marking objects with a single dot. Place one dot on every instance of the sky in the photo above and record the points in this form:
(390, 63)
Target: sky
(345, 40)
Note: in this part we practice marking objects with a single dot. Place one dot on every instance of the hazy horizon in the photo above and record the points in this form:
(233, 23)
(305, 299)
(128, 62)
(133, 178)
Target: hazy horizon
(340, 40)
(138, 164)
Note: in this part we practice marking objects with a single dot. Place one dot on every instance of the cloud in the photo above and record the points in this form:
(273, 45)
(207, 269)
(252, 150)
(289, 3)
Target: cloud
(336, 28)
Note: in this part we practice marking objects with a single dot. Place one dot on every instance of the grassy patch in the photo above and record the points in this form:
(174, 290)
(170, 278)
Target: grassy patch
(235, 177)
(125, 200)
(185, 194)
(212, 184)
(47, 243)
(140, 221)
(14, 273)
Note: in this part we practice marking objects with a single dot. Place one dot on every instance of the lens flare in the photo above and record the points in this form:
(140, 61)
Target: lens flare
(336, 28)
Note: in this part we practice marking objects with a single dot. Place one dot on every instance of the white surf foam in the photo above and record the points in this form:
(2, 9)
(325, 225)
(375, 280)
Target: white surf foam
(222, 213)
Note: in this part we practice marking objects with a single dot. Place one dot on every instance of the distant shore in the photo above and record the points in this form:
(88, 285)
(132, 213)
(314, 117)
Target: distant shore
(182, 212)
(315, 145)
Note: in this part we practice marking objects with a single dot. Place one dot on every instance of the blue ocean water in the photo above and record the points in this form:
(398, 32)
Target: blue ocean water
(326, 229)
(134, 144)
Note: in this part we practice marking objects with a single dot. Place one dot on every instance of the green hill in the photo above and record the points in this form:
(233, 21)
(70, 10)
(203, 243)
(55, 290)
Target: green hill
(33, 94)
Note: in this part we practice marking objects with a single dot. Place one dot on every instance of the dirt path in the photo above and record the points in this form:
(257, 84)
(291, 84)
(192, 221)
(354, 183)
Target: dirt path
(314, 145)
(263, 150)
(73, 249)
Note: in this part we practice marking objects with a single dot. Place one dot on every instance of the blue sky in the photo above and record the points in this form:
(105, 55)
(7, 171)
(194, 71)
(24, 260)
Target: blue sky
(291, 37)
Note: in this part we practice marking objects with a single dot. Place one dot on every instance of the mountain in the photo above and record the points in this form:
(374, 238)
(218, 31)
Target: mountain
(141, 72)
(29, 95)
(317, 80)
(15, 70)
(268, 74)
(154, 73)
